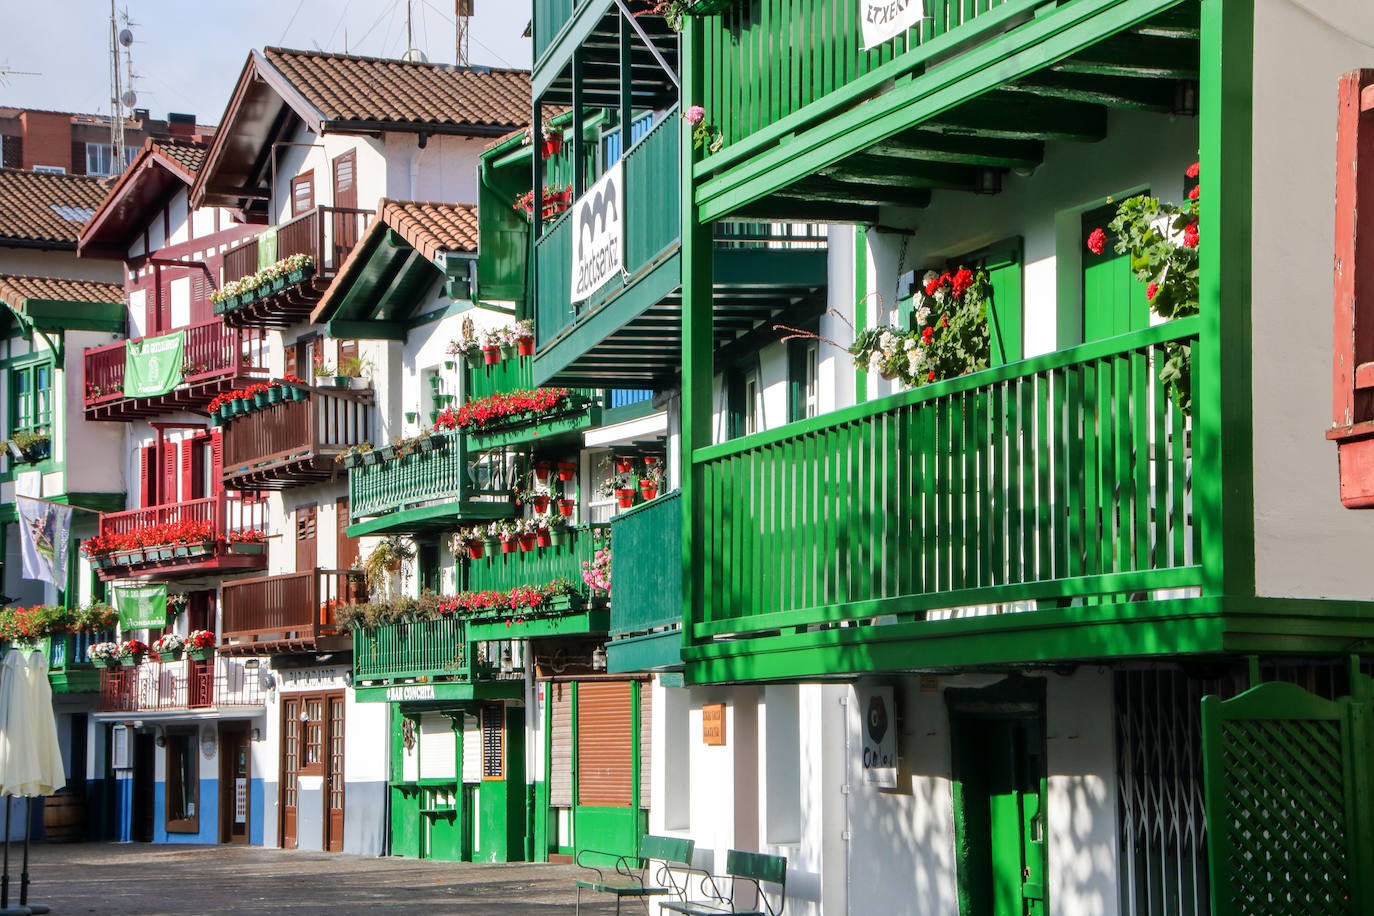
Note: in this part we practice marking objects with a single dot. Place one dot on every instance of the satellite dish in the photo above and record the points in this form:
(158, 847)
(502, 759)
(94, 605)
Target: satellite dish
(415, 56)
(126, 38)
(129, 98)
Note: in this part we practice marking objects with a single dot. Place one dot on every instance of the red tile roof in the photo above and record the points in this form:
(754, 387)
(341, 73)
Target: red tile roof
(376, 90)
(189, 155)
(16, 290)
(43, 210)
(432, 227)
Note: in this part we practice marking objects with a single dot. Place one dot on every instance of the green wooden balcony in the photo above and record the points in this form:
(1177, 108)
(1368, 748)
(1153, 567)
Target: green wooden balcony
(952, 523)
(69, 671)
(425, 490)
(425, 660)
(646, 615)
(507, 375)
(593, 29)
(576, 615)
(758, 275)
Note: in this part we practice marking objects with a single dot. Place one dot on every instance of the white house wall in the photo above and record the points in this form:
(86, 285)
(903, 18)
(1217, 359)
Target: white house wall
(1306, 542)
(446, 169)
(30, 262)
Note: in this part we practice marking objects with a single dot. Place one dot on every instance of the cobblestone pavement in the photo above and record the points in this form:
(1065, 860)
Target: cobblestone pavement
(109, 878)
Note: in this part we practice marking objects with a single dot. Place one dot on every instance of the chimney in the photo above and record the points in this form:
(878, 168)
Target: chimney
(181, 125)
(47, 139)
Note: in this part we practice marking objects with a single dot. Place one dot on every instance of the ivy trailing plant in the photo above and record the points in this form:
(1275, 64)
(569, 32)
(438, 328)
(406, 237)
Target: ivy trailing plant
(948, 335)
(1162, 240)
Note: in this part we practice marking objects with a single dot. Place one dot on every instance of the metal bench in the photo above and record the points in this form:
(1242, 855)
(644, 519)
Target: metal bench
(748, 869)
(631, 880)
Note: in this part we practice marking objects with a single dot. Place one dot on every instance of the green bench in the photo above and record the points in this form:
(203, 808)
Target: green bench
(631, 875)
(750, 870)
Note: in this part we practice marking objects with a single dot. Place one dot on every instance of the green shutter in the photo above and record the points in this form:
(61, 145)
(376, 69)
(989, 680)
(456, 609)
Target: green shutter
(1002, 261)
(1113, 299)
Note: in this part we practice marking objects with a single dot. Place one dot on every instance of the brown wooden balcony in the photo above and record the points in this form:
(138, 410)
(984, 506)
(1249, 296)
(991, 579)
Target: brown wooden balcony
(294, 612)
(228, 544)
(215, 359)
(215, 683)
(326, 234)
(295, 442)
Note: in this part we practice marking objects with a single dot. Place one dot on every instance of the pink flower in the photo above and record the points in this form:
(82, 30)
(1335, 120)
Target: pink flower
(695, 114)
(1097, 241)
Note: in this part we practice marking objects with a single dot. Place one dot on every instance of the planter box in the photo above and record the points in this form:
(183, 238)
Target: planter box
(246, 548)
(199, 655)
(299, 275)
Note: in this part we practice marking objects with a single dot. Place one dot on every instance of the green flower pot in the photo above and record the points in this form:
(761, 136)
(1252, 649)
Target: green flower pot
(199, 655)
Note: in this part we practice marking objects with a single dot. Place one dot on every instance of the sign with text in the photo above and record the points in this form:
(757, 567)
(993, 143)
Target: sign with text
(598, 227)
(878, 735)
(141, 606)
(152, 366)
(713, 724)
(886, 19)
(240, 800)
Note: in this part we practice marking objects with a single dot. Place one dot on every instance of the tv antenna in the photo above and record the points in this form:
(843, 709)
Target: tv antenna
(122, 95)
(413, 54)
(6, 73)
(462, 13)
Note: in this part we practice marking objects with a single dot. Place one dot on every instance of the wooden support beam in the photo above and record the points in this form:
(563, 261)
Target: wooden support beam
(1004, 115)
(885, 174)
(930, 146)
(1135, 56)
(1113, 92)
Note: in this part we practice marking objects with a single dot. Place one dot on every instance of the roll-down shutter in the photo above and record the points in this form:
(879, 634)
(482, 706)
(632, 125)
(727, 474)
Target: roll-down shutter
(604, 741)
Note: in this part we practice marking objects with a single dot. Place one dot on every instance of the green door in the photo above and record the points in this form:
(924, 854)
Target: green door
(999, 784)
(1114, 300)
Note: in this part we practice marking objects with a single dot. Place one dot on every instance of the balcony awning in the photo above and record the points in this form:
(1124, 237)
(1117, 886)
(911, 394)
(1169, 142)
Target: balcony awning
(52, 304)
(430, 519)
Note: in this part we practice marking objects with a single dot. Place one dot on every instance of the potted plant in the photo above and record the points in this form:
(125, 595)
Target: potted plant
(247, 540)
(323, 373)
(619, 486)
(351, 369)
(103, 654)
(200, 645)
(509, 534)
(30, 446)
(466, 346)
(567, 470)
(566, 507)
(649, 481)
(557, 527)
(491, 346)
(131, 653)
(169, 647)
(387, 557)
(528, 534)
(491, 534)
(524, 337)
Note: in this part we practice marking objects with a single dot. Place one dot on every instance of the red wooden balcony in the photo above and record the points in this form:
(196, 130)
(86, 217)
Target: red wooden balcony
(215, 683)
(215, 359)
(326, 234)
(233, 543)
(295, 442)
(294, 612)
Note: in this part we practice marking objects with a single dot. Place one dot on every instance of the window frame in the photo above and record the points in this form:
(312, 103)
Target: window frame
(184, 746)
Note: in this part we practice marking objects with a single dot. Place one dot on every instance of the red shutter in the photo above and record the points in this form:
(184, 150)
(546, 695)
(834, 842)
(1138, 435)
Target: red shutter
(188, 476)
(147, 488)
(216, 463)
(167, 493)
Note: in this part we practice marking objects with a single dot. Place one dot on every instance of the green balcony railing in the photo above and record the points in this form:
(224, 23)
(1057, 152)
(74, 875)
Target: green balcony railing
(651, 229)
(766, 59)
(549, 18)
(1062, 478)
(648, 560)
(444, 475)
(507, 375)
(504, 571)
(430, 648)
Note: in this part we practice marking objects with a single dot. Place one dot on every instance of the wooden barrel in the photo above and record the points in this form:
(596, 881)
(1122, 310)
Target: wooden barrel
(64, 817)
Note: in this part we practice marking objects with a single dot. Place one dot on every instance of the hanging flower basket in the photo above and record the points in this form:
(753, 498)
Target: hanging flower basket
(543, 537)
(541, 471)
(475, 548)
(527, 542)
(648, 488)
(474, 357)
(492, 355)
(566, 507)
(624, 464)
(558, 536)
(524, 346)
(509, 546)
(625, 497)
(567, 470)
(541, 504)
(553, 145)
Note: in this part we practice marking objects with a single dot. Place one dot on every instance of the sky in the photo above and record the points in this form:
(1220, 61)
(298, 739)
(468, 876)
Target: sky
(187, 55)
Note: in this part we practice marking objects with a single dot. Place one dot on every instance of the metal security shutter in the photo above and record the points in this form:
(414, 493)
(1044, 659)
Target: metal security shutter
(561, 755)
(604, 740)
(646, 702)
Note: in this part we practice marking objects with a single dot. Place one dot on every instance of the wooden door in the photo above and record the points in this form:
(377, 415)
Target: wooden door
(302, 194)
(334, 777)
(307, 538)
(345, 185)
(345, 547)
(290, 769)
(1114, 300)
(235, 783)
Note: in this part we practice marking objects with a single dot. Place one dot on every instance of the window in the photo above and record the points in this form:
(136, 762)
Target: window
(1113, 299)
(183, 783)
(30, 407)
(302, 194)
(100, 159)
(50, 169)
(312, 722)
(493, 741)
(745, 402)
(803, 357)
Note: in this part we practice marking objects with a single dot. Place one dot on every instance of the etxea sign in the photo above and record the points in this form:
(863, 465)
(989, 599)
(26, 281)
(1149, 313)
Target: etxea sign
(878, 735)
(884, 19)
(598, 226)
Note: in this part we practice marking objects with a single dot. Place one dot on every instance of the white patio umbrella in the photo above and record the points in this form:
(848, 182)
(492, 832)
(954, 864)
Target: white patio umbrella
(30, 756)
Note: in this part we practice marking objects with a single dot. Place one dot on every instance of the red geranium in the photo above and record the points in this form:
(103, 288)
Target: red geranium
(1097, 241)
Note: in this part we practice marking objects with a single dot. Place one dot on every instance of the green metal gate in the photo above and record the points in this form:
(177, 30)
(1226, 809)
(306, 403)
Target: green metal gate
(1289, 811)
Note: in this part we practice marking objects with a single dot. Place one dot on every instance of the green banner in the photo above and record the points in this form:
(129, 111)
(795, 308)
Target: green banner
(267, 248)
(152, 366)
(141, 606)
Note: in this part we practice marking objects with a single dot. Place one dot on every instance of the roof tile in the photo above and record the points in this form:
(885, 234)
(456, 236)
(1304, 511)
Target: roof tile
(14, 290)
(433, 227)
(41, 207)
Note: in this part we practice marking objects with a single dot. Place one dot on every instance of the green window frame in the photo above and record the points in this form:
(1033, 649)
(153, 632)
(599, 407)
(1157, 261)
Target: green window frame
(803, 383)
(30, 396)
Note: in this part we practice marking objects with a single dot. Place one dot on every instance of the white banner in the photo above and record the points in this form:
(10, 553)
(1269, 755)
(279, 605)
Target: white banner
(598, 226)
(44, 529)
(877, 735)
(885, 19)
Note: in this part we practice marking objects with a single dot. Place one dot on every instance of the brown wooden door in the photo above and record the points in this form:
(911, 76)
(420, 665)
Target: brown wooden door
(307, 538)
(235, 782)
(345, 185)
(334, 778)
(290, 769)
(345, 547)
(302, 194)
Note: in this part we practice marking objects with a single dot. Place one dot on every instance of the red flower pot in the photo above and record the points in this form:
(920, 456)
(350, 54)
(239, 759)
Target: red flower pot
(527, 542)
(543, 538)
(524, 346)
(650, 461)
(624, 464)
(625, 497)
(541, 471)
(553, 143)
(650, 490)
(541, 504)
(566, 507)
(566, 470)
(492, 355)
(475, 548)
(508, 546)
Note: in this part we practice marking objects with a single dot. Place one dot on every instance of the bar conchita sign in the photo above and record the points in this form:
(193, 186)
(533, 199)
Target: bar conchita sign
(886, 19)
(598, 227)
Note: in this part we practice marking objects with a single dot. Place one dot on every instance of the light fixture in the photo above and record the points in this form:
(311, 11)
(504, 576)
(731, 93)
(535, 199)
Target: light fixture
(251, 664)
(160, 740)
(987, 181)
(506, 661)
(1185, 98)
(256, 734)
(599, 658)
(6, 599)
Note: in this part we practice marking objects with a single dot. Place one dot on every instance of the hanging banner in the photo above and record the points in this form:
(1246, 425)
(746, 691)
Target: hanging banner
(877, 735)
(886, 19)
(141, 606)
(598, 224)
(152, 366)
(267, 248)
(44, 531)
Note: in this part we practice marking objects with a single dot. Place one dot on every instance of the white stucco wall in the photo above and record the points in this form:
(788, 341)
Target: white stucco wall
(29, 262)
(1306, 542)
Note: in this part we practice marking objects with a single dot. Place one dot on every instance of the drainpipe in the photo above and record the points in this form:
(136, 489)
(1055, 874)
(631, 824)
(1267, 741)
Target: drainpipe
(421, 142)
